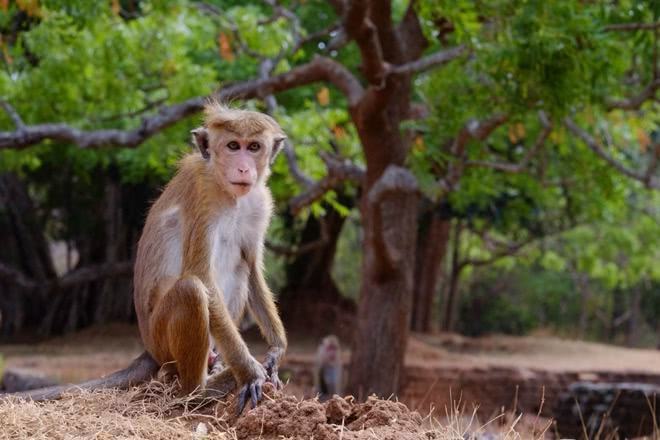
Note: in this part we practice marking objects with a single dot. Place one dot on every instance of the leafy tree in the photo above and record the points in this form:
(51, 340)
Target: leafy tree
(494, 109)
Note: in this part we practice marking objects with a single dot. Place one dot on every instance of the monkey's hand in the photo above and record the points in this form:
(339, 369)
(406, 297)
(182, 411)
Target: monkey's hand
(271, 365)
(252, 380)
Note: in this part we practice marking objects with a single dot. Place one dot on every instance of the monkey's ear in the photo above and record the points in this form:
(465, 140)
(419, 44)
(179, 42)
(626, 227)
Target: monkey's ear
(278, 143)
(201, 140)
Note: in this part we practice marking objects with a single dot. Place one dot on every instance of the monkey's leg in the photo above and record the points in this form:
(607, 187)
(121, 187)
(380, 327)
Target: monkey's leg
(180, 322)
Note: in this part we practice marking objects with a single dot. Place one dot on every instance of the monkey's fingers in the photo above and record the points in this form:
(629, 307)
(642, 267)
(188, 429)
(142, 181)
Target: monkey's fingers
(255, 393)
(274, 378)
(242, 398)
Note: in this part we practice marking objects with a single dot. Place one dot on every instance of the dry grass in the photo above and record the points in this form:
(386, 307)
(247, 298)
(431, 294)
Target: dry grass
(150, 412)
(153, 412)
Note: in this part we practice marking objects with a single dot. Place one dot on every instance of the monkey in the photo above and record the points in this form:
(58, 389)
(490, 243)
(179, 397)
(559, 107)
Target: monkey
(328, 369)
(199, 264)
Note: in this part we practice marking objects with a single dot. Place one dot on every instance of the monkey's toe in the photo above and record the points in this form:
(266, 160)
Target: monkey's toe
(252, 390)
(274, 378)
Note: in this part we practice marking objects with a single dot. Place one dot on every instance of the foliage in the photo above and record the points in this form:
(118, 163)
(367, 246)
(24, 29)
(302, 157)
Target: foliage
(100, 64)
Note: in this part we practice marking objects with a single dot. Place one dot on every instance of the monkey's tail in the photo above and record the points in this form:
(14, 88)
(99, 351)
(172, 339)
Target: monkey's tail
(141, 370)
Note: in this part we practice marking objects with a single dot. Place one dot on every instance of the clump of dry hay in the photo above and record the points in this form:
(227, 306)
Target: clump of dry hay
(152, 411)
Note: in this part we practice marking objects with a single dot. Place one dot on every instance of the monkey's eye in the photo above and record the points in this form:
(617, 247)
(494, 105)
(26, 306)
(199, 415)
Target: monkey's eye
(254, 146)
(234, 146)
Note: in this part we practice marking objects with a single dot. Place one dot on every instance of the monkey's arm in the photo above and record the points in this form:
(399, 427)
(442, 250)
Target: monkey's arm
(263, 309)
(248, 372)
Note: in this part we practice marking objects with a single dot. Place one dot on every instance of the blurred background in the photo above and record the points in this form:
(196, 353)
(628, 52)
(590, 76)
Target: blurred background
(454, 170)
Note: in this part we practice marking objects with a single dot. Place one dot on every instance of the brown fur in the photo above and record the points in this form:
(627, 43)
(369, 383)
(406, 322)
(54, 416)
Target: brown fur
(205, 230)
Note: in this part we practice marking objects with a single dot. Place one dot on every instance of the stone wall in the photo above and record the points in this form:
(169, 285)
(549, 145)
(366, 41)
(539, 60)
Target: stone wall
(493, 388)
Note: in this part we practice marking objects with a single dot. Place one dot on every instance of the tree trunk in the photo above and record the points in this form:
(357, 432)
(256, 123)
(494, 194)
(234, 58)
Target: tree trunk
(432, 241)
(450, 303)
(633, 330)
(389, 215)
(389, 202)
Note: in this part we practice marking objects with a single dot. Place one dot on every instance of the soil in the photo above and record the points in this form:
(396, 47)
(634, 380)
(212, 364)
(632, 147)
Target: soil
(517, 374)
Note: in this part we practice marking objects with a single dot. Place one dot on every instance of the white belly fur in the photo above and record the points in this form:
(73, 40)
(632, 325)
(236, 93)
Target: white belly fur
(241, 225)
(228, 270)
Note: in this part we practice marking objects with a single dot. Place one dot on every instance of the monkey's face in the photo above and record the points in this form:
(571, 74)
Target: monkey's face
(240, 162)
(239, 145)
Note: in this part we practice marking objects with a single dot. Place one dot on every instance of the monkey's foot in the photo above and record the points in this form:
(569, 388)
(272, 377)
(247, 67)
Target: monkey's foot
(254, 390)
(270, 364)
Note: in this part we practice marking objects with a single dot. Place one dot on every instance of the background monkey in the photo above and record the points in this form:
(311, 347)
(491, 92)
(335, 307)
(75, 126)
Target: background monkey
(328, 369)
(199, 263)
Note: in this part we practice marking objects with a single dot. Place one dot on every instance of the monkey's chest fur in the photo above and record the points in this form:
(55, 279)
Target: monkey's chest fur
(233, 232)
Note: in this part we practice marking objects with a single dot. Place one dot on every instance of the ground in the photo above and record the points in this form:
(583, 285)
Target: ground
(498, 372)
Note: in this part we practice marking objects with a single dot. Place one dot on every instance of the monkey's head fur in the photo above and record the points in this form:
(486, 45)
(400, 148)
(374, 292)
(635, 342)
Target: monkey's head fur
(238, 145)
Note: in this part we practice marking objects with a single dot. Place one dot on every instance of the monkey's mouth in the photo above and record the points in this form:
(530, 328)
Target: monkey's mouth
(243, 184)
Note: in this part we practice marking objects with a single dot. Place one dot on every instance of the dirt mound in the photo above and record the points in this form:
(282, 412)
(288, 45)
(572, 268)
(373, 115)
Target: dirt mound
(152, 411)
(286, 416)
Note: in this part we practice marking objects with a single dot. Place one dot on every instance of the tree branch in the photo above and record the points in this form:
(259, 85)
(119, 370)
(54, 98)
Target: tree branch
(360, 28)
(13, 114)
(319, 69)
(28, 135)
(82, 275)
(505, 249)
(339, 171)
(429, 62)
(529, 155)
(629, 27)
(635, 102)
(473, 129)
(16, 277)
(646, 178)
(305, 248)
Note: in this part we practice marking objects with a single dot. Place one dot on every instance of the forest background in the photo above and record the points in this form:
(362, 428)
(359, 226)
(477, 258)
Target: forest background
(477, 167)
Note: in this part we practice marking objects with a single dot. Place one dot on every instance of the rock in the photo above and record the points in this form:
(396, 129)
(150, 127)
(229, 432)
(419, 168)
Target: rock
(625, 407)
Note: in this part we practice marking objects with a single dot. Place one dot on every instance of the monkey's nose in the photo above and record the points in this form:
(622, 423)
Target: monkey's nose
(243, 170)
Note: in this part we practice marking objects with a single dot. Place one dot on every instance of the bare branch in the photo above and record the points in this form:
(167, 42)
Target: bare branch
(529, 155)
(15, 277)
(294, 169)
(635, 102)
(33, 134)
(360, 28)
(339, 171)
(473, 129)
(432, 61)
(305, 248)
(319, 69)
(629, 27)
(13, 114)
(500, 249)
(94, 273)
(510, 250)
(76, 277)
(646, 178)
(243, 45)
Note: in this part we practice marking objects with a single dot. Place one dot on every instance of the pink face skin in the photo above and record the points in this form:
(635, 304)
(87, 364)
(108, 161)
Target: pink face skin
(331, 352)
(240, 161)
